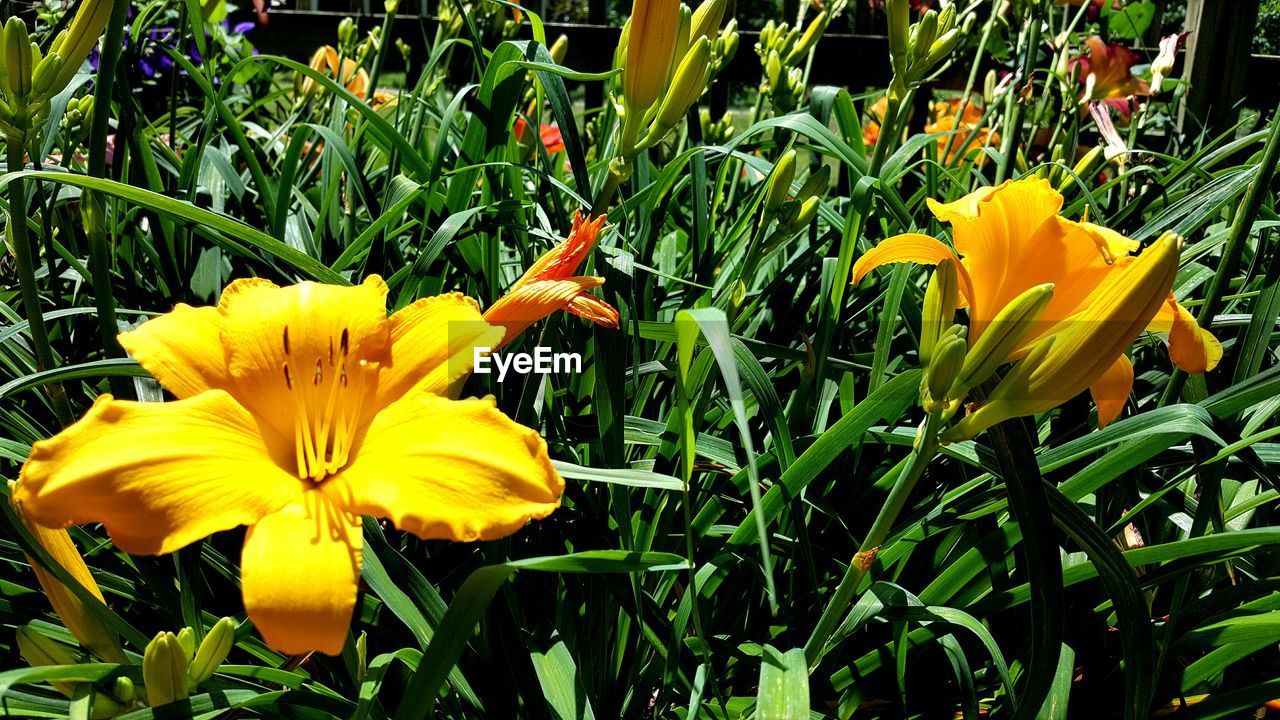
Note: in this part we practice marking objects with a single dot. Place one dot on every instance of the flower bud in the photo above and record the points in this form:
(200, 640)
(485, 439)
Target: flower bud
(559, 49)
(989, 87)
(164, 670)
(650, 42)
(17, 53)
(946, 18)
(939, 50)
(187, 641)
(926, 31)
(798, 214)
(124, 690)
(779, 185)
(213, 650)
(899, 18)
(390, 6)
(689, 82)
(1085, 168)
(347, 32)
(816, 183)
(81, 37)
(812, 34)
(941, 298)
(707, 18)
(999, 340)
(945, 367)
(40, 651)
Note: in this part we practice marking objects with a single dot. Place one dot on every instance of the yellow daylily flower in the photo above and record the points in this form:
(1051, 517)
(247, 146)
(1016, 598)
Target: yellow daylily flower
(299, 410)
(92, 633)
(347, 73)
(1010, 238)
(550, 285)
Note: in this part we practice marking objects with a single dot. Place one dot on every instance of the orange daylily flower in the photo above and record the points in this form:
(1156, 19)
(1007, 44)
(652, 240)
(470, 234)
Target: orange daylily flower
(1107, 74)
(1010, 238)
(548, 134)
(944, 121)
(299, 410)
(347, 73)
(875, 116)
(549, 285)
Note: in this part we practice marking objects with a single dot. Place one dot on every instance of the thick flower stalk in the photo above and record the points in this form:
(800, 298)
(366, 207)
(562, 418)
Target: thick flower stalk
(550, 285)
(1010, 241)
(299, 410)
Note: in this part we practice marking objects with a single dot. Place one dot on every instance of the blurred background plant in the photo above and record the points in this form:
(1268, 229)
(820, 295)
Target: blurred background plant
(735, 539)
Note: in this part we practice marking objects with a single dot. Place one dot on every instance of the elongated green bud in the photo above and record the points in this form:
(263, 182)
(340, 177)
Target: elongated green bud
(816, 183)
(940, 49)
(39, 651)
(707, 18)
(187, 640)
(779, 186)
(1002, 337)
(683, 39)
(1084, 168)
(946, 18)
(946, 365)
(213, 650)
(941, 298)
(926, 32)
(559, 49)
(17, 53)
(164, 670)
(812, 34)
(689, 82)
(45, 74)
(805, 215)
(1017, 379)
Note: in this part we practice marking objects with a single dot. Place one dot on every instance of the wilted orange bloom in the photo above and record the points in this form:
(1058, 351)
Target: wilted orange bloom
(550, 285)
(944, 121)
(1009, 239)
(549, 134)
(326, 60)
(1107, 74)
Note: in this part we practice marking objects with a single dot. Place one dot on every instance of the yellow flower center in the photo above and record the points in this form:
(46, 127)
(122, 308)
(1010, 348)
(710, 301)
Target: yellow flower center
(328, 395)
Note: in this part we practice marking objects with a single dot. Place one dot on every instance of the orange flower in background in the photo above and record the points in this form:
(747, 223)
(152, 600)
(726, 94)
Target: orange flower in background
(550, 285)
(549, 134)
(944, 121)
(1010, 238)
(875, 116)
(347, 73)
(1107, 74)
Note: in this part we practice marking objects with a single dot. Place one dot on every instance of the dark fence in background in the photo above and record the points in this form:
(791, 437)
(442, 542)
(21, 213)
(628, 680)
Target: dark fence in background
(1223, 77)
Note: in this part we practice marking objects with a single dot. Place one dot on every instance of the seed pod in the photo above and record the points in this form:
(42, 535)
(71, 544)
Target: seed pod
(213, 650)
(1011, 326)
(779, 185)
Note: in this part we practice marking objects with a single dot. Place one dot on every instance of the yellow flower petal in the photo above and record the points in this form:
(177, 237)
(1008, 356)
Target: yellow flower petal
(158, 475)
(298, 573)
(449, 469)
(1191, 347)
(1111, 391)
(529, 303)
(307, 336)
(993, 229)
(87, 628)
(914, 248)
(182, 349)
(432, 342)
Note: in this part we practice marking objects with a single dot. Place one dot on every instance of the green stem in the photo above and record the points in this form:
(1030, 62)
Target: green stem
(94, 210)
(1013, 123)
(909, 472)
(1240, 226)
(24, 260)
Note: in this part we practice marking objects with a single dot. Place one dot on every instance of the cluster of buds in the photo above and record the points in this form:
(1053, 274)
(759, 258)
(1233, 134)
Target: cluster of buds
(916, 49)
(667, 58)
(793, 212)
(173, 664)
(28, 79)
(716, 132)
(77, 119)
(491, 19)
(951, 368)
(782, 50)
